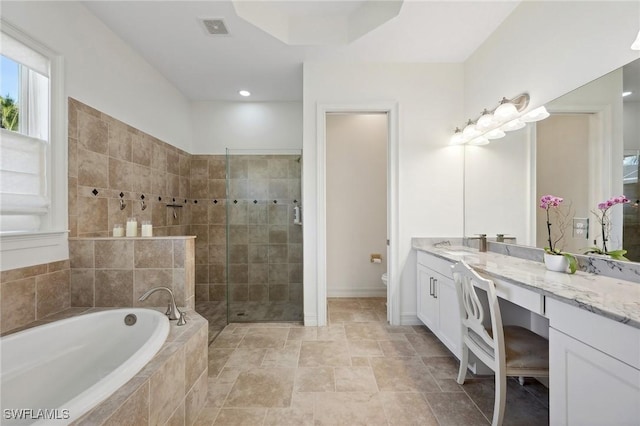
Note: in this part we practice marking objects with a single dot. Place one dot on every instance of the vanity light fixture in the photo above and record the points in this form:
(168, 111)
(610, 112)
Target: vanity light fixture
(537, 114)
(457, 138)
(486, 121)
(507, 116)
(636, 44)
(470, 131)
(506, 111)
(512, 125)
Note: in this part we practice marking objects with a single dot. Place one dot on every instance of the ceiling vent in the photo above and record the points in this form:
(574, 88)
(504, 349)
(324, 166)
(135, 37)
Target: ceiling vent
(215, 26)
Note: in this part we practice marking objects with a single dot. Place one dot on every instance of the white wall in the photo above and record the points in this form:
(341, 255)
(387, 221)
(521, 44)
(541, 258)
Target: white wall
(430, 173)
(104, 72)
(548, 48)
(246, 125)
(356, 204)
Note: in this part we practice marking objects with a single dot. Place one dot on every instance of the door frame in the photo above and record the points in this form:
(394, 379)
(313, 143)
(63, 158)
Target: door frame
(393, 290)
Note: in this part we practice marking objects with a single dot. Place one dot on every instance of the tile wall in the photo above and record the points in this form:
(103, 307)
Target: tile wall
(115, 272)
(108, 158)
(265, 246)
(31, 293)
(208, 224)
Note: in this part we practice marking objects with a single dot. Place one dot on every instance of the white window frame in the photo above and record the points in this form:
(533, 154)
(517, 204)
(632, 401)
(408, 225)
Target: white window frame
(50, 243)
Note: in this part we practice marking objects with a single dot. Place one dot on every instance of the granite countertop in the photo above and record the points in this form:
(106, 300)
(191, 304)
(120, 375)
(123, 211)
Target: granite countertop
(613, 298)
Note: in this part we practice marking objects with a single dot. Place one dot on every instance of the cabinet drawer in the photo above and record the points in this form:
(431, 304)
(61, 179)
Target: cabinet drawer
(530, 300)
(437, 264)
(616, 339)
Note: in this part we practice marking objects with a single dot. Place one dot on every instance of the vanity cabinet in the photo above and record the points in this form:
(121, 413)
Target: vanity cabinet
(437, 304)
(594, 367)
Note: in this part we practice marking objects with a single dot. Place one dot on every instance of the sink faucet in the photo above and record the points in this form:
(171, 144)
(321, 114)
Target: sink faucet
(482, 242)
(500, 238)
(172, 311)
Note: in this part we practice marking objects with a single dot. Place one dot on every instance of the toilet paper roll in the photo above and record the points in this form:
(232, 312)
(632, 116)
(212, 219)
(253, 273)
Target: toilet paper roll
(377, 260)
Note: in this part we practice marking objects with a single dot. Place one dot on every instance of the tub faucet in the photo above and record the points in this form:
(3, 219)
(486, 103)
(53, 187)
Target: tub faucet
(172, 311)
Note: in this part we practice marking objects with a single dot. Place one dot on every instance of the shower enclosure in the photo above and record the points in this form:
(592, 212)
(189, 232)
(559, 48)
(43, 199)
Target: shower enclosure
(264, 236)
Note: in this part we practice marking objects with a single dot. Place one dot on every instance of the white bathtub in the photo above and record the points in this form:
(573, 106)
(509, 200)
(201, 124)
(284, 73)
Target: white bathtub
(63, 369)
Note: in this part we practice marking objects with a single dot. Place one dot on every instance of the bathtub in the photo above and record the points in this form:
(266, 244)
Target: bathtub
(54, 373)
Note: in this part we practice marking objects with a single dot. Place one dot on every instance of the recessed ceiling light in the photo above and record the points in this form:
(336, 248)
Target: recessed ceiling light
(244, 93)
(626, 94)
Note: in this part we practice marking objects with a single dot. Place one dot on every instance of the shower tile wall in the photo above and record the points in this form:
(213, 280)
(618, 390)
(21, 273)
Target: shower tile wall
(208, 219)
(265, 247)
(108, 157)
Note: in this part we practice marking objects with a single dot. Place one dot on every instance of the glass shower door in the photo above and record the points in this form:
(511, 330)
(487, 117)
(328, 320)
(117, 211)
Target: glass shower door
(264, 240)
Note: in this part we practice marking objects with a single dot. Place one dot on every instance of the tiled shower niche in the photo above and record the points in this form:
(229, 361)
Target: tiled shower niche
(264, 243)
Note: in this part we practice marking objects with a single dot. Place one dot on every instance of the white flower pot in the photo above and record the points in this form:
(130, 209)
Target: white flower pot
(556, 262)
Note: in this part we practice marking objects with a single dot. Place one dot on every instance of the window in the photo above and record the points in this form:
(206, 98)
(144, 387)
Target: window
(25, 136)
(33, 164)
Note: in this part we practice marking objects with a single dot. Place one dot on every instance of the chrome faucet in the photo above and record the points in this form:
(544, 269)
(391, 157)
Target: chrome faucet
(500, 238)
(172, 311)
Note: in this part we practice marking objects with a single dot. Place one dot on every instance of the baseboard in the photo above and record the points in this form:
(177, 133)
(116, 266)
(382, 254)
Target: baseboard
(310, 320)
(357, 292)
(410, 319)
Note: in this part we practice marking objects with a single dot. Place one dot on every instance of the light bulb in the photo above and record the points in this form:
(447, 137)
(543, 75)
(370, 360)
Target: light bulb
(535, 115)
(636, 44)
(506, 111)
(457, 138)
(512, 125)
(470, 131)
(486, 121)
(244, 93)
(494, 134)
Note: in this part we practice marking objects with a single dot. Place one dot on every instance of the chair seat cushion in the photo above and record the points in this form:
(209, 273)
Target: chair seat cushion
(525, 349)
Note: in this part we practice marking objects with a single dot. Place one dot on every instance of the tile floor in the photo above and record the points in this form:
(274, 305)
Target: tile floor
(356, 371)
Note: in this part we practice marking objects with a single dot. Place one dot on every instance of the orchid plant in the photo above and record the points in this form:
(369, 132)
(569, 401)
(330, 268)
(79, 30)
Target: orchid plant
(602, 214)
(551, 203)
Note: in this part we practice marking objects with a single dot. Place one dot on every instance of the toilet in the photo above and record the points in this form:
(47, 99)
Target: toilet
(384, 279)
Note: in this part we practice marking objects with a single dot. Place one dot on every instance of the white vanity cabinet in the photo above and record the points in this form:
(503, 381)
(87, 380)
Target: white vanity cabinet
(594, 368)
(437, 303)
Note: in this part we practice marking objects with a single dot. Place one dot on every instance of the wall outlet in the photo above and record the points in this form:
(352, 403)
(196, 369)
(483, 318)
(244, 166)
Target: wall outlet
(581, 227)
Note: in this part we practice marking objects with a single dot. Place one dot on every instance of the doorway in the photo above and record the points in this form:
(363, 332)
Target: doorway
(392, 292)
(356, 182)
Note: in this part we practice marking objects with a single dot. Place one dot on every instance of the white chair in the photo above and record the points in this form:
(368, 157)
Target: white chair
(508, 351)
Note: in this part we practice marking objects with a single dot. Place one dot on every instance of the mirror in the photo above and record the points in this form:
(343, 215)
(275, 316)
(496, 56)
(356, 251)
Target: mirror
(587, 151)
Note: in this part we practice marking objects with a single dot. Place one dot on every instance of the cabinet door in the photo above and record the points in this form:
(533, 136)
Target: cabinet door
(448, 314)
(427, 304)
(589, 387)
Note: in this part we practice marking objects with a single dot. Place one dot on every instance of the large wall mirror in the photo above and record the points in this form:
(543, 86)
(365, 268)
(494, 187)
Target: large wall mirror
(586, 151)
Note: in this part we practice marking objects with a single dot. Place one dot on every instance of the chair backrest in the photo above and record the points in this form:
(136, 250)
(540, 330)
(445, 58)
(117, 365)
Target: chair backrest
(472, 314)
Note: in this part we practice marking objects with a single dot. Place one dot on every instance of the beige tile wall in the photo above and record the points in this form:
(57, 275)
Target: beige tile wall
(208, 224)
(265, 247)
(32, 293)
(108, 158)
(115, 272)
